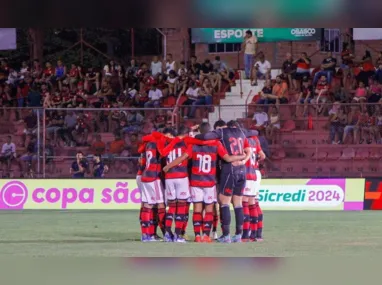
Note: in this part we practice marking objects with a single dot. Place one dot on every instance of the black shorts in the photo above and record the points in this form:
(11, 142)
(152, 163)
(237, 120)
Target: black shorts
(232, 183)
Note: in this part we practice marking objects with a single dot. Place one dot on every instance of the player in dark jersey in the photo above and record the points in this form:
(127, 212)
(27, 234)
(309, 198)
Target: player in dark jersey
(232, 179)
(252, 189)
(203, 155)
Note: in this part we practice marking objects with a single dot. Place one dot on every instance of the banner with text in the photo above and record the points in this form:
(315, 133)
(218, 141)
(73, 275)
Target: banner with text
(108, 194)
(236, 35)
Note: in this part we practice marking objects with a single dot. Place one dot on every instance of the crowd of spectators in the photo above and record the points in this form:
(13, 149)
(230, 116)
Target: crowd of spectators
(348, 93)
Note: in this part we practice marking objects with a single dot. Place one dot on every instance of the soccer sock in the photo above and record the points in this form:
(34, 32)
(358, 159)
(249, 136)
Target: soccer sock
(215, 220)
(207, 223)
(253, 216)
(185, 224)
(140, 213)
(155, 219)
(170, 216)
(246, 224)
(197, 219)
(161, 219)
(221, 217)
(145, 221)
(180, 217)
(260, 223)
(226, 219)
(239, 217)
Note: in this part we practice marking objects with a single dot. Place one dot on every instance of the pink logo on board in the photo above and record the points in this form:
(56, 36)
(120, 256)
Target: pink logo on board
(13, 196)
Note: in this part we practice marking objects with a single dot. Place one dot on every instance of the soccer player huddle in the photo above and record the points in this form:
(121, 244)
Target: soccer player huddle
(211, 170)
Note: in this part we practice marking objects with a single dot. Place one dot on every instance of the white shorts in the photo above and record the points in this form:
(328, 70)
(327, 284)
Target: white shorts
(140, 187)
(252, 187)
(177, 188)
(203, 194)
(152, 192)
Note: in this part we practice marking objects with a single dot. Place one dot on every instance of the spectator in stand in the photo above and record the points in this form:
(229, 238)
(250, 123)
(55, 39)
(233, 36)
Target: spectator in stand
(70, 122)
(99, 168)
(361, 124)
(73, 76)
(81, 132)
(28, 160)
(279, 93)
(195, 67)
(260, 119)
(34, 97)
(347, 63)
(289, 70)
(155, 97)
(249, 46)
(337, 120)
(133, 68)
(192, 94)
(375, 91)
(182, 68)
(36, 71)
(360, 94)
(8, 154)
(368, 130)
(351, 123)
(328, 68)
(222, 72)
(106, 94)
(171, 83)
(98, 147)
(378, 73)
(182, 83)
(56, 123)
(302, 68)
(80, 166)
(116, 147)
(378, 125)
(340, 94)
(92, 77)
(368, 69)
(207, 71)
(156, 67)
(48, 74)
(204, 97)
(24, 70)
(110, 69)
(170, 64)
(60, 74)
(274, 124)
(30, 126)
(7, 97)
(261, 70)
(321, 96)
(305, 97)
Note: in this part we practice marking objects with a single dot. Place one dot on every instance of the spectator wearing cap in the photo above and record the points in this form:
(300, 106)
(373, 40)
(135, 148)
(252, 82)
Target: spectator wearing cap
(155, 97)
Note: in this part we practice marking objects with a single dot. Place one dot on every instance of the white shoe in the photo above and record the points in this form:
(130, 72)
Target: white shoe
(215, 235)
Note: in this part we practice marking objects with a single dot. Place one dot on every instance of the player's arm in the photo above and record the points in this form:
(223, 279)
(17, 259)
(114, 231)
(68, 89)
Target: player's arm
(142, 148)
(165, 150)
(262, 155)
(247, 151)
(222, 152)
(175, 162)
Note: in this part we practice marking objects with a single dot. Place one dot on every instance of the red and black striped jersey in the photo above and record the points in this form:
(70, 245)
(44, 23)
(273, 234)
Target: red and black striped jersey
(153, 168)
(141, 164)
(181, 170)
(204, 160)
(253, 163)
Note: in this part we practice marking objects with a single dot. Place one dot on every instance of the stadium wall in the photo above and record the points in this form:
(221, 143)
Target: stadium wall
(110, 194)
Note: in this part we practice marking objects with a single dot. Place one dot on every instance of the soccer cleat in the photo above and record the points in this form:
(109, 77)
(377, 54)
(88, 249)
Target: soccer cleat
(185, 236)
(253, 240)
(224, 239)
(215, 235)
(245, 240)
(198, 239)
(206, 239)
(179, 239)
(158, 238)
(236, 238)
(168, 238)
(145, 238)
(152, 239)
(259, 239)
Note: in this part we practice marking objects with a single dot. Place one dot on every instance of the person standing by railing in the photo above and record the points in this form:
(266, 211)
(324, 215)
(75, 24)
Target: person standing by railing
(99, 168)
(249, 46)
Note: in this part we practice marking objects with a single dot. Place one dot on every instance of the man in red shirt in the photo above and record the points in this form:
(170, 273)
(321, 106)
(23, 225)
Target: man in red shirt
(203, 155)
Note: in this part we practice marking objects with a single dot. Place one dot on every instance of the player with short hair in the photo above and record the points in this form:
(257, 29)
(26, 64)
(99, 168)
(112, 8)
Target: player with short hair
(203, 157)
(177, 185)
(251, 190)
(233, 179)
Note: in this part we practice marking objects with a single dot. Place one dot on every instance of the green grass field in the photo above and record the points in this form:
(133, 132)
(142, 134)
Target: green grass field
(116, 233)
